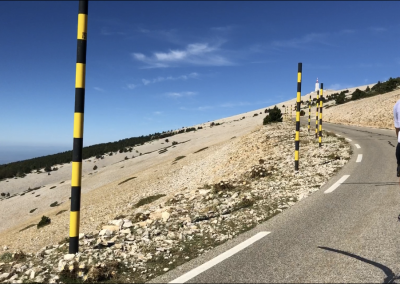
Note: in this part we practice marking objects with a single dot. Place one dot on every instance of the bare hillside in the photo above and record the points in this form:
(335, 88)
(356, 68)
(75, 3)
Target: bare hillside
(375, 111)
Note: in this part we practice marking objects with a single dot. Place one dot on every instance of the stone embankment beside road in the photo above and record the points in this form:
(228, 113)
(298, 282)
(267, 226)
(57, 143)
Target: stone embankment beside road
(207, 202)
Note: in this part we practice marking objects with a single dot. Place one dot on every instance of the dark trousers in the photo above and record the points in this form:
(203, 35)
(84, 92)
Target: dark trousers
(398, 153)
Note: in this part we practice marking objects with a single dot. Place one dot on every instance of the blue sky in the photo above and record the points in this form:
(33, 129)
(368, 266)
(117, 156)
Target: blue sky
(154, 66)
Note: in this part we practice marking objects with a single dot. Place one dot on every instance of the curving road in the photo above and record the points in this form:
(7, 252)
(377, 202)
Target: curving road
(348, 234)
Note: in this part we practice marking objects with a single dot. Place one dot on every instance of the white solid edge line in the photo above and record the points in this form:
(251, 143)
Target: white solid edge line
(196, 271)
(336, 184)
(358, 146)
(359, 158)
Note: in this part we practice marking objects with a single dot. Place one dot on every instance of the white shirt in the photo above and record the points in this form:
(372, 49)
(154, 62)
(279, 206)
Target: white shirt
(396, 114)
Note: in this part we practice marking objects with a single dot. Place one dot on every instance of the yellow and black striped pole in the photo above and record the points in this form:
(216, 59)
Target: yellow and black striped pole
(78, 129)
(320, 115)
(309, 115)
(297, 137)
(316, 117)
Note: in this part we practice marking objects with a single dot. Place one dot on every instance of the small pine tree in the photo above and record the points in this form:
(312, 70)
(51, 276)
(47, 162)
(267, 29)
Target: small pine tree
(275, 115)
(95, 167)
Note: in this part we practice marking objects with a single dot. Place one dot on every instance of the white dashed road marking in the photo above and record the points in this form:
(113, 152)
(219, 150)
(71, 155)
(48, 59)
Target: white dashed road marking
(194, 272)
(338, 135)
(359, 158)
(358, 146)
(348, 139)
(336, 184)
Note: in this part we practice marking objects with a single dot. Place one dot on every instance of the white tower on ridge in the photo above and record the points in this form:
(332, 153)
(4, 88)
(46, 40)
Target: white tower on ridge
(317, 86)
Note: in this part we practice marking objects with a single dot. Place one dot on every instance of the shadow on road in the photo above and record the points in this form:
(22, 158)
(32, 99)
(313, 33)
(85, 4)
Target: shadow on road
(390, 276)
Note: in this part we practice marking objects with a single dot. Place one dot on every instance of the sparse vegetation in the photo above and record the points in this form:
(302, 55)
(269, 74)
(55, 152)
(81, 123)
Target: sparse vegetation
(95, 167)
(54, 204)
(33, 210)
(52, 187)
(275, 115)
(43, 222)
(127, 180)
(178, 158)
(202, 149)
(148, 200)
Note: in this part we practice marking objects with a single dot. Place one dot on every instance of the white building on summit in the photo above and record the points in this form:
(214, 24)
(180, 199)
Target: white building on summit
(317, 86)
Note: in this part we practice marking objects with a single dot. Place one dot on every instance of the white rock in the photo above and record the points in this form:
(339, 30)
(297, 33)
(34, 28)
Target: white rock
(39, 279)
(165, 216)
(32, 275)
(4, 276)
(126, 231)
(81, 235)
(117, 222)
(166, 269)
(127, 224)
(5, 248)
(69, 256)
(105, 232)
(48, 251)
(61, 265)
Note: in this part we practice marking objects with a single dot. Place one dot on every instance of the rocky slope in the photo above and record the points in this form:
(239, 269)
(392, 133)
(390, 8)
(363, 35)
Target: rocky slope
(375, 111)
(226, 190)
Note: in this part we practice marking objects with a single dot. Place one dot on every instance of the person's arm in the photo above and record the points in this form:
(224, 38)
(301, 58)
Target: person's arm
(397, 132)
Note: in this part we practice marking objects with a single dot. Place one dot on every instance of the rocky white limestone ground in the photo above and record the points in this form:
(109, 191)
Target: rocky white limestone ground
(202, 204)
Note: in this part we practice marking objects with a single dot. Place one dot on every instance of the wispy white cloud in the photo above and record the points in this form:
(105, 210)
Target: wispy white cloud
(98, 89)
(157, 112)
(194, 54)
(222, 28)
(347, 31)
(170, 78)
(301, 41)
(131, 86)
(106, 31)
(377, 29)
(180, 95)
(200, 108)
(235, 104)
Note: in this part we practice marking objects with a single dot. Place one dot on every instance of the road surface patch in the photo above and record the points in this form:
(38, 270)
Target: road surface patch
(196, 271)
(336, 184)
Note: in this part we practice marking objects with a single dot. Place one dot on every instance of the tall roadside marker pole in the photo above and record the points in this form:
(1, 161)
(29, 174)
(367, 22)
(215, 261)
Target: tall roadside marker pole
(78, 128)
(320, 115)
(297, 137)
(316, 117)
(309, 114)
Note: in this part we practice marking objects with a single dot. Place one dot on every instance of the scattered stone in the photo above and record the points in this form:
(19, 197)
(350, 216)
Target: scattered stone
(69, 257)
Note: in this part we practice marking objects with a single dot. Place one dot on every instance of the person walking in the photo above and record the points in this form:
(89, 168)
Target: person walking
(396, 114)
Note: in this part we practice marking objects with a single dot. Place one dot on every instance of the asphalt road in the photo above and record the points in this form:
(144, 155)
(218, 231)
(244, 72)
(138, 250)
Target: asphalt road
(351, 234)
